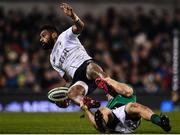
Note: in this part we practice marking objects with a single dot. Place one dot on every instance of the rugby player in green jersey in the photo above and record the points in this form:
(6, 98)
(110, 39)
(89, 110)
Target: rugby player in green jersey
(123, 114)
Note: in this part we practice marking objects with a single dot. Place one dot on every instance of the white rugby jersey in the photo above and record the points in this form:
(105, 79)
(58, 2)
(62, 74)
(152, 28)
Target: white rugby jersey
(68, 53)
(124, 126)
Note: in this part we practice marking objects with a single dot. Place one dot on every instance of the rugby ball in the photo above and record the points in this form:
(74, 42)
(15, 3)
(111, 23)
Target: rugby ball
(58, 94)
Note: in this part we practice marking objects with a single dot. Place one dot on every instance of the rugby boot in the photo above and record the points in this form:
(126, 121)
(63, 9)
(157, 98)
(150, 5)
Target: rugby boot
(165, 124)
(102, 84)
(90, 103)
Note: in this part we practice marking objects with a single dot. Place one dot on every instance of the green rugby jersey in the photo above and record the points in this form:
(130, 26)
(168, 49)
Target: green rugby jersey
(120, 100)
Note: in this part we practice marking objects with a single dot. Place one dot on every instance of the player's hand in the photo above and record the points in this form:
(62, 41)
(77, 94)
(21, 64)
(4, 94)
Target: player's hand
(83, 106)
(63, 104)
(67, 9)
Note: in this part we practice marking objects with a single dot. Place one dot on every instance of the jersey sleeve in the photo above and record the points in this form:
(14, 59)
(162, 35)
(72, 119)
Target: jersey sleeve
(69, 33)
(61, 72)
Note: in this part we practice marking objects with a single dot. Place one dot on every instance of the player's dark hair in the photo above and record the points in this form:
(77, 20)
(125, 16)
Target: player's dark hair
(100, 122)
(102, 125)
(50, 28)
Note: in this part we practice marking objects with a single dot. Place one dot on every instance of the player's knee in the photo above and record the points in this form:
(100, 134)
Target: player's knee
(137, 107)
(131, 105)
(129, 92)
(90, 68)
(132, 108)
(71, 94)
(94, 71)
(76, 91)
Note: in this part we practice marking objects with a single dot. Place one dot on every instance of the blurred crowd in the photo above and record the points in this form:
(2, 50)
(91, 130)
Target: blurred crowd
(133, 47)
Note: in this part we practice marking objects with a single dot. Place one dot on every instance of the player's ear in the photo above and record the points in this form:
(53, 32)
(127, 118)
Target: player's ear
(54, 35)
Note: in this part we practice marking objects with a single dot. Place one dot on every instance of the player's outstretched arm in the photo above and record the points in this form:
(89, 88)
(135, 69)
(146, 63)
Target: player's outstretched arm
(78, 23)
(89, 113)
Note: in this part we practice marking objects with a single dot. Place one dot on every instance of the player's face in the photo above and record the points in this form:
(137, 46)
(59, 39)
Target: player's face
(46, 40)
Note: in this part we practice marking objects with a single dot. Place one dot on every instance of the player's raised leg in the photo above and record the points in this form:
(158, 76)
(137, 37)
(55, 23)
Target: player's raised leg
(77, 93)
(138, 110)
(106, 83)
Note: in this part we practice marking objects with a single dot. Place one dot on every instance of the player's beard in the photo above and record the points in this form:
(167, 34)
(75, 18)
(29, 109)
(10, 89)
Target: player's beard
(48, 45)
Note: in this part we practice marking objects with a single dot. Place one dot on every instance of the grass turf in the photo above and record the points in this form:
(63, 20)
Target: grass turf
(66, 123)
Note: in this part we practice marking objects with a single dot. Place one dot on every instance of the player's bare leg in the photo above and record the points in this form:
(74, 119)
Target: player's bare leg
(95, 72)
(120, 88)
(77, 94)
(138, 110)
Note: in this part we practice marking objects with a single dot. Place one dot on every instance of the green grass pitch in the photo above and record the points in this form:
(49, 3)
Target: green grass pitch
(66, 123)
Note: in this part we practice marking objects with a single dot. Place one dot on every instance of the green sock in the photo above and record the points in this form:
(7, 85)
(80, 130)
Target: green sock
(156, 119)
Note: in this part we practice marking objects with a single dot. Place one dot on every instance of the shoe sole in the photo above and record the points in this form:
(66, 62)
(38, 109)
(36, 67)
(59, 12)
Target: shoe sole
(165, 122)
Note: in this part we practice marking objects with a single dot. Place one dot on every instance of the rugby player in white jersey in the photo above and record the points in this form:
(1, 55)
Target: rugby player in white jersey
(71, 60)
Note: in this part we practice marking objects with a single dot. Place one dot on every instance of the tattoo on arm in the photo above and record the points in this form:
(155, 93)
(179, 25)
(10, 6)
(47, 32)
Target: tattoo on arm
(78, 24)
